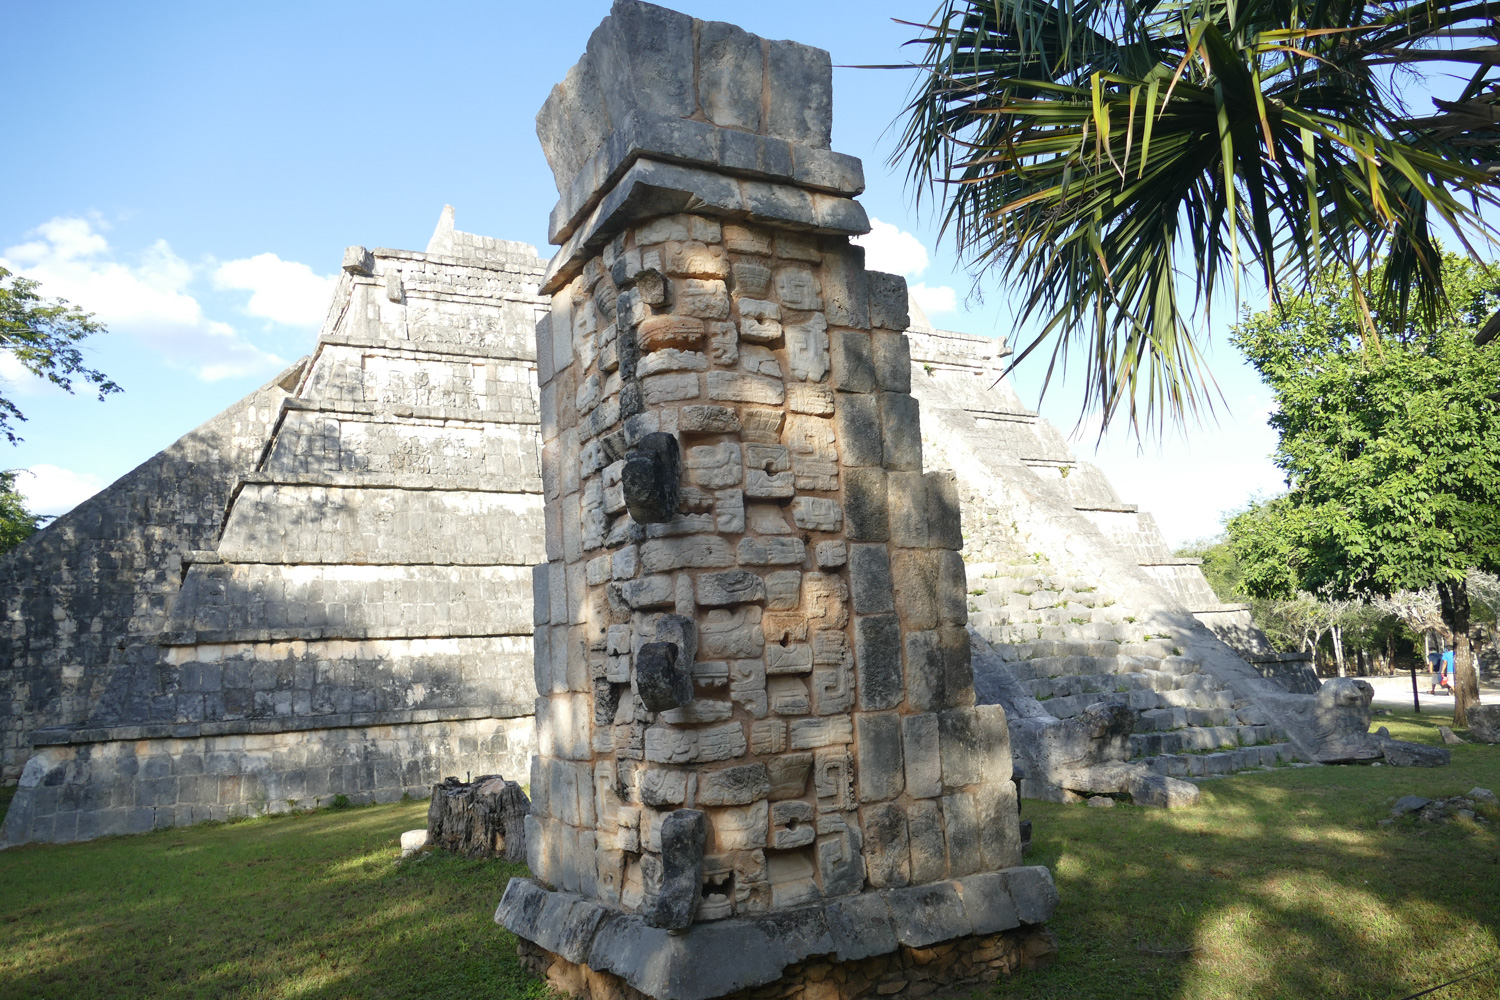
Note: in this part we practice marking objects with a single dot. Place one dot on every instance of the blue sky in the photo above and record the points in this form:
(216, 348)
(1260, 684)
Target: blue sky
(192, 172)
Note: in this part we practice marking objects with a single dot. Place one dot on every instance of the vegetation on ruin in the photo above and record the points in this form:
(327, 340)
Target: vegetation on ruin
(1121, 164)
(43, 336)
(1388, 446)
(1280, 885)
(16, 522)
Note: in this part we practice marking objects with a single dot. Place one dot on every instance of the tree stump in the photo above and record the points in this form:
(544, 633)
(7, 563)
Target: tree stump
(483, 818)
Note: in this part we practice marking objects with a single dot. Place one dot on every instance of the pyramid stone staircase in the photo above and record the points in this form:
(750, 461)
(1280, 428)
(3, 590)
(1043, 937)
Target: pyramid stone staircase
(1075, 599)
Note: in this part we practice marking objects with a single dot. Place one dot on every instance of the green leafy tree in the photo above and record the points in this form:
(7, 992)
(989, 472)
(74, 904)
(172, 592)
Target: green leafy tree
(1389, 451)
(1107, 155)
(16, 522)
(43, 336)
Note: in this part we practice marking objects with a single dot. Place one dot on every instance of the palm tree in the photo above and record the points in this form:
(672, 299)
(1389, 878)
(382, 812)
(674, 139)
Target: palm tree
(1124, 161)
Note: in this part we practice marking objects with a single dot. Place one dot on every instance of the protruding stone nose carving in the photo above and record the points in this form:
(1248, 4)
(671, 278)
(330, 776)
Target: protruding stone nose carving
(683, 833)
(652, 477)
(662, 677)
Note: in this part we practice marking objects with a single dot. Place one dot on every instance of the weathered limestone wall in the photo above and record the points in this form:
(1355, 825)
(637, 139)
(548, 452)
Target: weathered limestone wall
(757, 734)
(87, 790)
(812, 564)
(356, 608)
(105, 573)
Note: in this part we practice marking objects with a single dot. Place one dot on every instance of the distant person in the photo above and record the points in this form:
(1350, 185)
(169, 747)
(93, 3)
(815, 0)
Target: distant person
(1435, 667)
(1447, 681)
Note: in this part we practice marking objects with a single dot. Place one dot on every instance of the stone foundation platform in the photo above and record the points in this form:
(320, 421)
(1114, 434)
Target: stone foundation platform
(86, 790)
(897, 942)
(904, 973)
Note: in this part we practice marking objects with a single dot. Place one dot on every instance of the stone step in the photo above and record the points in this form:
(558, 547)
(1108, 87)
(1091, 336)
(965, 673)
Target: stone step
(1197, 697)
(1162, 648)
(1067, 666)
(1065, 685)
(1040, 649)
(1192, 739)
(1222, 762)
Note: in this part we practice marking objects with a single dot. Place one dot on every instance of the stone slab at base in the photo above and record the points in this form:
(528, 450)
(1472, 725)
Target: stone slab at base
(869, 936)
(903, 973)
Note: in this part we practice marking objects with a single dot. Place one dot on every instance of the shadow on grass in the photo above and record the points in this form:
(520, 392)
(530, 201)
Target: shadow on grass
(1280, 884)
(308, 906)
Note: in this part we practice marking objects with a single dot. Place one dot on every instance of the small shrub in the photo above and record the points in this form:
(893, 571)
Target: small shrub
(340, 802)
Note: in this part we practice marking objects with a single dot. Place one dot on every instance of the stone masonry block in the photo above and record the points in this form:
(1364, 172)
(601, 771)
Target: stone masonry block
(880, 766)
(907, 495)
(652, 479)
(925, 687)
(683, 834)
(643, 57)
(958, 669)
(953, 606)
(921, 751)
(877, 656)
(961, 831)
(892, 361)
(901, 427)
(914, 574)
(853, 361)
(929, 854)
(736, 586)
(866, 505)
(888, 302)
(887, 848)
(870, 579)
(801, 93)
(846, 288)
(944, 520)
(859, 430)
(729, 75)
(999, 825)
(734, 786)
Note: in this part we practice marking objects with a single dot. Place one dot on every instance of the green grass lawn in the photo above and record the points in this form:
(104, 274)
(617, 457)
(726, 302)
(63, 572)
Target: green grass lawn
(1279, 885)
(310, 906)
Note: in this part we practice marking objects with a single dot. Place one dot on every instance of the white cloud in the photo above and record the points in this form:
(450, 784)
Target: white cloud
(283, 291)
(150, 300)
(893, 250)
(939, 299)
(49, 489)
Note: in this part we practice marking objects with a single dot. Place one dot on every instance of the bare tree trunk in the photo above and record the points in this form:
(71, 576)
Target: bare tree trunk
(1455, 600)
(1337, 634)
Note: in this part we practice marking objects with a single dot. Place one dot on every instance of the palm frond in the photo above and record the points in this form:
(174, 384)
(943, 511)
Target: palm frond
(1100, 153)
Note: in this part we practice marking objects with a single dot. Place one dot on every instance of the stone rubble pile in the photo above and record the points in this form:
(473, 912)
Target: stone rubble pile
(1467, 806)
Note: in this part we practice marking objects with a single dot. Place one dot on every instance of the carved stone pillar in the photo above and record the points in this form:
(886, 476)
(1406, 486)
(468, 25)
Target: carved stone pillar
(758, 742)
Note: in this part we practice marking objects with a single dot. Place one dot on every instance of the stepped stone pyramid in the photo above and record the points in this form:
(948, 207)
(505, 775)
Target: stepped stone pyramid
(1115, 661)
(326, 589)
(323, 591)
